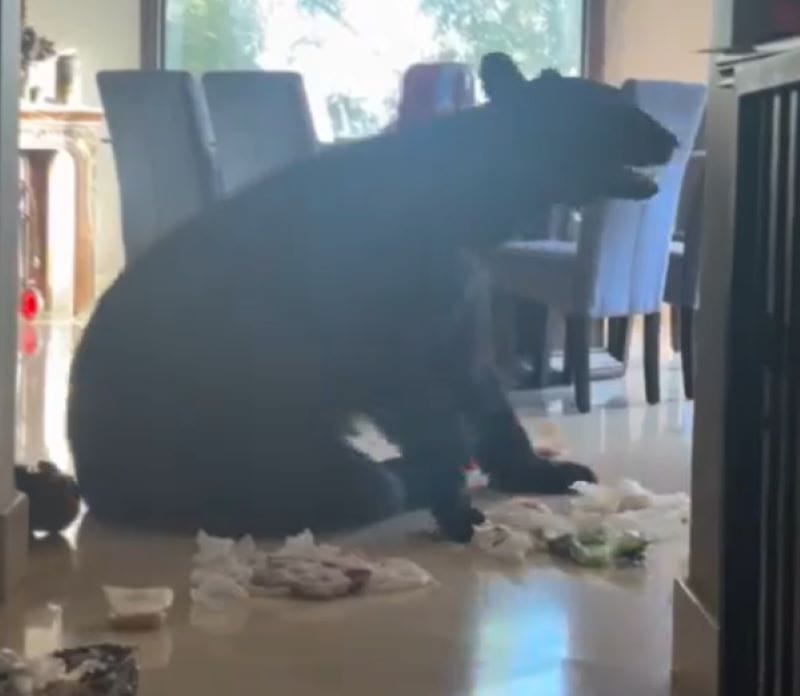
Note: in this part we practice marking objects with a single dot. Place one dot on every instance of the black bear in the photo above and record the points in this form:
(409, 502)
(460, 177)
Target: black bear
(217, 379)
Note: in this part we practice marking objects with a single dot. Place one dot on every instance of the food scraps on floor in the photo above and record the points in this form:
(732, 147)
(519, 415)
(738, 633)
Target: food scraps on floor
(226, 570)
(93, 670)
(604, 525)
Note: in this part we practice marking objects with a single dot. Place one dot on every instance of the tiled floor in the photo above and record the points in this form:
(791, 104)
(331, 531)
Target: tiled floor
(486, 630)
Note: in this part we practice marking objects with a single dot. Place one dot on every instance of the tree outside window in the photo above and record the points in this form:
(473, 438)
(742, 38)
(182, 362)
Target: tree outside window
(352, 53)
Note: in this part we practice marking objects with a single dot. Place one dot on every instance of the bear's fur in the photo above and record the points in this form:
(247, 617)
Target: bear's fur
(218, 376)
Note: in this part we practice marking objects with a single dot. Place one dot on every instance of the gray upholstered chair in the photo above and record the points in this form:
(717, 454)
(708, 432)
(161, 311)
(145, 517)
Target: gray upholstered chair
(618, 265)
(262, 122)
(161, 139)
(683, 275)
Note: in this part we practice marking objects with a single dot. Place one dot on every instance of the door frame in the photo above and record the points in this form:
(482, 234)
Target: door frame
(13, 506)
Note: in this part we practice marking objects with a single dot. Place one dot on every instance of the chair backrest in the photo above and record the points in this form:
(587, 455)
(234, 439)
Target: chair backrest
(624, 245)
(690, 230)
(161, 139)
(262, 122)
(434, 89)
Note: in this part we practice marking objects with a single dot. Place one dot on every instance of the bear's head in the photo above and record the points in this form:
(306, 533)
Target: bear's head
(589, 137)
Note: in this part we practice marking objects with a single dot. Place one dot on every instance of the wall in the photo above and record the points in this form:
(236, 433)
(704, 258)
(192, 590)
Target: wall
(106, 35)
(8, 250)
(657, 39)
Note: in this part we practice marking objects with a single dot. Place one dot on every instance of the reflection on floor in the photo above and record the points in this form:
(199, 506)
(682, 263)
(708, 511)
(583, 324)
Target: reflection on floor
(487, 630)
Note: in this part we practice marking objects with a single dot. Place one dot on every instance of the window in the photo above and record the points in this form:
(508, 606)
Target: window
(352, 53)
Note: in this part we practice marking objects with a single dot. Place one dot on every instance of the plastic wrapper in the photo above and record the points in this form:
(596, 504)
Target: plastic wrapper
(626, 497)
(46, 671)
(10, 663)
(138, 608)
(654, 524)
(600, 548)
(604, 525)
(503, 542)
(590, 555)
(633, 496)
(630, 547)
(246, 552)
(216, 591)
(211, 550)
(225, 557)
(521, 513)
(594, 497)
(107, 670)
(532, 516)
(305, 546)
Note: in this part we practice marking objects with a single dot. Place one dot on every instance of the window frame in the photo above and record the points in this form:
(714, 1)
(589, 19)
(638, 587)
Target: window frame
(153, 23)
(153, 16)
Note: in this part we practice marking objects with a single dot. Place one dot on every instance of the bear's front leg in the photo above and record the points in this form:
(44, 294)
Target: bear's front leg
(428, 430)
(500, 443)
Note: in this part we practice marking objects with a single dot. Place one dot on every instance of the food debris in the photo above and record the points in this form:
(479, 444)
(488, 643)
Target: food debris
(84, 671)
(230, 571)
(604, 526)
(503, 542)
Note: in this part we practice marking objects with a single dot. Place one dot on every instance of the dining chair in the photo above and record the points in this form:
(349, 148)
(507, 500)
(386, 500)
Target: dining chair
(262, 122)
(161, 139)
(618, 265)
(434, 89)
(683, 274)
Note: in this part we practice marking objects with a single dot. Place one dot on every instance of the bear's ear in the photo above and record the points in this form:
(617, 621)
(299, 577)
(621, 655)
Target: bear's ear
(500, 76)
(549, 74)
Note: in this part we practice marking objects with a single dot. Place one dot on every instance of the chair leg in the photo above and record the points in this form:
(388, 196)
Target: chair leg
(652, 357)
(568, 374)
(540, 350)
(687, 350)
(505, 339)
(675, 320)
(618, 334)
(578, 338)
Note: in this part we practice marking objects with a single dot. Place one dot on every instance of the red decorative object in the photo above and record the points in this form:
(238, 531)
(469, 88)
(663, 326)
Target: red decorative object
(28, 339)
(30, 304)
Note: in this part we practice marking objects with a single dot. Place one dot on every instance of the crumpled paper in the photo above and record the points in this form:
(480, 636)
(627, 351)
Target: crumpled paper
(603, 524)
(393, 575)
(503, 542)
(227, 571)
(626, 496)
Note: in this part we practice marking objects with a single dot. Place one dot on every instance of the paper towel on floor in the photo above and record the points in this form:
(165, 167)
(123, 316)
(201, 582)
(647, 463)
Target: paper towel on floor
(227, 571)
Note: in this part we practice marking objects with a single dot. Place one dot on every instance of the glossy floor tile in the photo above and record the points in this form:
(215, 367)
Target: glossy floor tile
(487, 629)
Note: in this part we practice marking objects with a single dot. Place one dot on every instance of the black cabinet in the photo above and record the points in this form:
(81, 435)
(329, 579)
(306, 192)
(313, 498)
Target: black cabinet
(759, 553)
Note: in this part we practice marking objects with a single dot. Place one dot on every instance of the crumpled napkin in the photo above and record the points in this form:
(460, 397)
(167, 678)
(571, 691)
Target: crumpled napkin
(227, 571)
